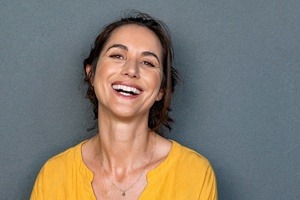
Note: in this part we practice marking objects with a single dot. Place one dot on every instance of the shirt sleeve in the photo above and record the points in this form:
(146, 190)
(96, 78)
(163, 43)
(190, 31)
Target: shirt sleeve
(209, 187)
(38, 191)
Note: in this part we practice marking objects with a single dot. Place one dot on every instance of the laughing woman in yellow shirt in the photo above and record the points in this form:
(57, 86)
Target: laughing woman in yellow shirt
(130, 82)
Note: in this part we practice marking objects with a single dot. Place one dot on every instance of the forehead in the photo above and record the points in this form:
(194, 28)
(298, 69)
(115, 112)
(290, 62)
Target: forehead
(135, 36)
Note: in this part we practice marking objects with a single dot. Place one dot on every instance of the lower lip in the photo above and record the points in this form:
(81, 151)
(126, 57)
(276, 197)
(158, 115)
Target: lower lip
(125, 96)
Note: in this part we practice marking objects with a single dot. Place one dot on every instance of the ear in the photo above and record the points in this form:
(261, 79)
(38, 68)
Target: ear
(160, 95)
(88, 69)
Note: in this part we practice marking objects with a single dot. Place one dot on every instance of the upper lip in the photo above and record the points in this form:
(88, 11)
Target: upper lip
(127, 87)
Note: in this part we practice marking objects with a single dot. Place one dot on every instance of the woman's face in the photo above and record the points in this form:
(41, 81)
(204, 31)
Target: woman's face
(129, 72)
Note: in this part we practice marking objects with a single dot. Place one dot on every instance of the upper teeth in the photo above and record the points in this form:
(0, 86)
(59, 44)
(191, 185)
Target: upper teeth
(127, 89)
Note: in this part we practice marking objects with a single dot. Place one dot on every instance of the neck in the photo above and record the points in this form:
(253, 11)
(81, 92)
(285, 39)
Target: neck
(124, 146)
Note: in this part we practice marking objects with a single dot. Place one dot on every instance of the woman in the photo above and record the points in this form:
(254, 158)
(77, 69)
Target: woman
(130, 77)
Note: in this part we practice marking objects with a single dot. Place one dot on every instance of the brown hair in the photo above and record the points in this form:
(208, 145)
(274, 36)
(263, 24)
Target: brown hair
(159, 112)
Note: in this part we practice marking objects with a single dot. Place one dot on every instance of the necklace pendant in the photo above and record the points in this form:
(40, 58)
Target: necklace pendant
(124, 193)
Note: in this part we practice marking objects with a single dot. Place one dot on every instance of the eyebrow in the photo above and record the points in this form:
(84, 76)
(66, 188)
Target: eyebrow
(121, 46)
(149, 53)
(145, 53)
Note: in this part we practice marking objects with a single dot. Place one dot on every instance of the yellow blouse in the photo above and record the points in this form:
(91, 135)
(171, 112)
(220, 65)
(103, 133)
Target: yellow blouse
(183, 175)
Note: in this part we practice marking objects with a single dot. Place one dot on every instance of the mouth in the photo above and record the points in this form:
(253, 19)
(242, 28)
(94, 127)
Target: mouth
(126, 90)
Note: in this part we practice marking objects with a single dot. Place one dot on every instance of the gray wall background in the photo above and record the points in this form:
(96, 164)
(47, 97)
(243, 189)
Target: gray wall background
(238, 105)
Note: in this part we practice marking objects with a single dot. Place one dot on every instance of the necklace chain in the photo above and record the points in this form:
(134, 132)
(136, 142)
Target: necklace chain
(106, 173)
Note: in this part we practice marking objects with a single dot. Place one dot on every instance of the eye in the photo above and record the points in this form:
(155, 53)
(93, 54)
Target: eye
(147, 63)
(116, 56)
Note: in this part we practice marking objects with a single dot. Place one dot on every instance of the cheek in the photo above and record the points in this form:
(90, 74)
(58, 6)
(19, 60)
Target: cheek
(106, 67)
(98, 78)
(156, 81)
(101, 71)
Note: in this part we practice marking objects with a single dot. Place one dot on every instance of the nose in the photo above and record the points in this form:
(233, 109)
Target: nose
(131, 69)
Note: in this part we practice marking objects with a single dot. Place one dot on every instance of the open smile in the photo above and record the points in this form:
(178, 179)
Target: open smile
(126, 90)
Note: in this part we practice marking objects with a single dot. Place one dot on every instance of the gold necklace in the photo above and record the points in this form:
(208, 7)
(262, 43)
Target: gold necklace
(106, 173)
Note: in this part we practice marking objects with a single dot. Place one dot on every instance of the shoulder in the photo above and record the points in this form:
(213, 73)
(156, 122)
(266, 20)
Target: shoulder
(184, 174)
(53, 181)
(189, 157)
(65, 158)
(195, 171)
(189, 164)
(61, 165)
